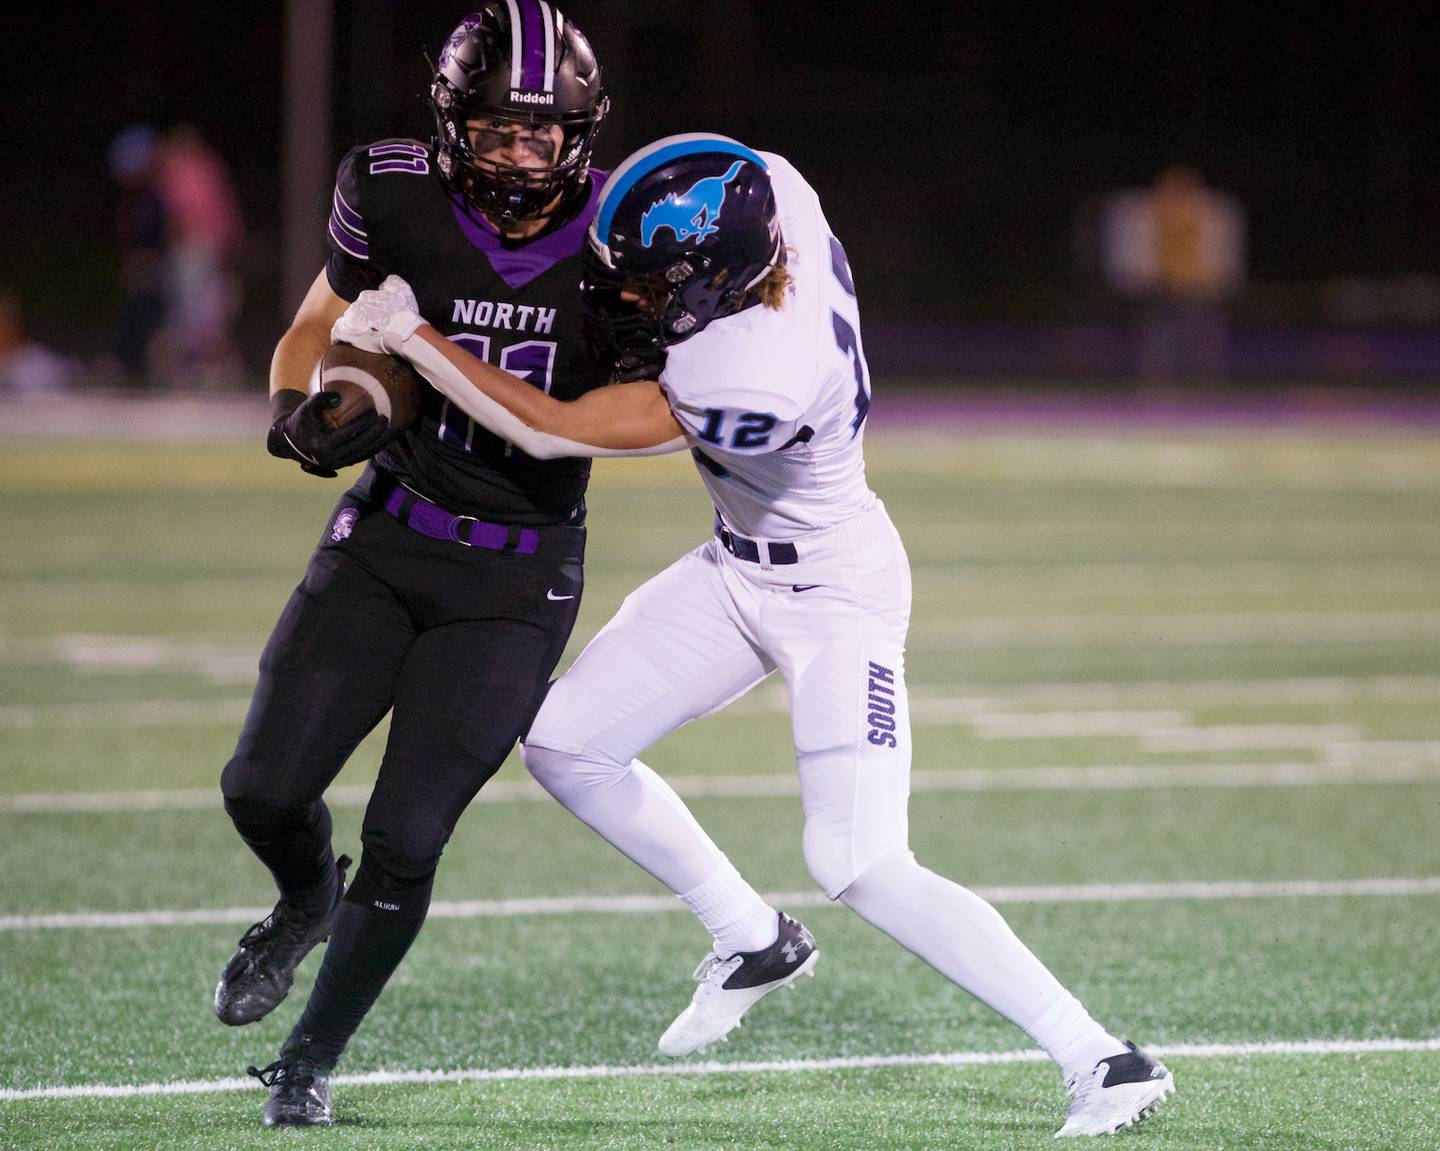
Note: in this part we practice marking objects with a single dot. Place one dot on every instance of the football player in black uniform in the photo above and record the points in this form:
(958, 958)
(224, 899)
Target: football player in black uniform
(451, 572)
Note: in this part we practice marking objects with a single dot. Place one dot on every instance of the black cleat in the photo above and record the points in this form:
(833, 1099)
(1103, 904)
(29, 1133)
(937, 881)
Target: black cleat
(299, 1091)
(259, 975)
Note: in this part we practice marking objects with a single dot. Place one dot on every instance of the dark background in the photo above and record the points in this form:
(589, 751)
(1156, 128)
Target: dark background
(954, 146)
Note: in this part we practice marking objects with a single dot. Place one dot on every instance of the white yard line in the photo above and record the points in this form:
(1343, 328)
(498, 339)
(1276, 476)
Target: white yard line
(632, 904)
(929, 703)
(1308, 1047)
(1193, 630)
(223, 661)
(1088, 724)
(233, 659)
(1183, 693)
(1393, 751)
(1397, 763)
(1234, 737)
(136, 713)
(1150, 776)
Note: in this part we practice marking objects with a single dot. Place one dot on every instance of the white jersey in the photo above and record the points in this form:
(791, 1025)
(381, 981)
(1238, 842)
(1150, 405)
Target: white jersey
(774, 402)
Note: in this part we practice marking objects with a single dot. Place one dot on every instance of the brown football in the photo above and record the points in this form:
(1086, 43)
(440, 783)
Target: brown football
(370, 381)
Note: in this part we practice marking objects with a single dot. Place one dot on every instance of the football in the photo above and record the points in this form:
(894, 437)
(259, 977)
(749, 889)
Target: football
(369, 381)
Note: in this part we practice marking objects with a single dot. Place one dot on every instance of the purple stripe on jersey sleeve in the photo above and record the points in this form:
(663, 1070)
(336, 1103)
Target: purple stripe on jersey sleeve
(348, 215)
(347, 242)
(519, 265)
(347, 219)
(532, 27)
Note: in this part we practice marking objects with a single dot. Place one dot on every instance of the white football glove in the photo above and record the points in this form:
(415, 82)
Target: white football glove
(381, 319)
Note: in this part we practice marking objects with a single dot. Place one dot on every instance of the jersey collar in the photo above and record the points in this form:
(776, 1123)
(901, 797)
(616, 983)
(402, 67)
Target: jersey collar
(518, 264)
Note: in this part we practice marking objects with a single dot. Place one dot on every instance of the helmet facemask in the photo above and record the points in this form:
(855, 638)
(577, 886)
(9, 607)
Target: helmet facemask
(510, 193)
(636, 311)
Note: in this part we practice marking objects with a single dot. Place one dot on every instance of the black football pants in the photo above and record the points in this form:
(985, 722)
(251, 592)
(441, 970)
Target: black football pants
(459, 641)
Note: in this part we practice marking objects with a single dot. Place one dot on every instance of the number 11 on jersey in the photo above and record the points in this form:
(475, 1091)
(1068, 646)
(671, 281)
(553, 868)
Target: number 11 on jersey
(847, 339)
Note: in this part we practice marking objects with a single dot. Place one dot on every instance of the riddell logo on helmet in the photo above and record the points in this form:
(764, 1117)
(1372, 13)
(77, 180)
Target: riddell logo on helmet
(519, 97)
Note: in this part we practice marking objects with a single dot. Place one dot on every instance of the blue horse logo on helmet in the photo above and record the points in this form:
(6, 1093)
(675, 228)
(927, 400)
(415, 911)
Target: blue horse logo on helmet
(690, 213)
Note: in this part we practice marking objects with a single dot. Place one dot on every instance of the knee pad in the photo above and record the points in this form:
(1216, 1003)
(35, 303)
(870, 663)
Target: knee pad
(828, 859)
(257, 818)
(554, 767)
(881, 873)
(265, 790)
(376, 887)
(836, 868)
(403, 847)
(547, 734)
(240, 785)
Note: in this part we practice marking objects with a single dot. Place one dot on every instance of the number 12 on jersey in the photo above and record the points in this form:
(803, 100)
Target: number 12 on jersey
(751, 430)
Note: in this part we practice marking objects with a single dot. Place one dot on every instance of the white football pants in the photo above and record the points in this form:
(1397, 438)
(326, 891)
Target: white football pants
(705, 631)
(708, 629)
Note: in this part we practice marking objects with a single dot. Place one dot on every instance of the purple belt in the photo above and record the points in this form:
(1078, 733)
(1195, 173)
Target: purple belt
(431, 520)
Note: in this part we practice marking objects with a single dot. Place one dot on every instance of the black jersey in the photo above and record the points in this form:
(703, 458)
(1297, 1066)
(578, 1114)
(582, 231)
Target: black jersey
(516, 305)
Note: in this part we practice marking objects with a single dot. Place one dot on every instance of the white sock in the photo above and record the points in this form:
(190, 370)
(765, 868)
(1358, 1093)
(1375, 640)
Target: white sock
(733, 912)
(1070, 1037)
(969, 942)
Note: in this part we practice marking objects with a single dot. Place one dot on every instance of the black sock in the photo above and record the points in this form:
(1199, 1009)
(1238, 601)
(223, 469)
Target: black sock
(377, 921)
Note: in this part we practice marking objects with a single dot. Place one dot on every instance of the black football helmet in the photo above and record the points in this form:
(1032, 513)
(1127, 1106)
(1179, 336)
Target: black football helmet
(686, 226)
(523, 62)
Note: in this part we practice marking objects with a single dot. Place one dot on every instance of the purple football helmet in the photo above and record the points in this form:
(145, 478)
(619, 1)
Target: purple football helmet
(522, 62)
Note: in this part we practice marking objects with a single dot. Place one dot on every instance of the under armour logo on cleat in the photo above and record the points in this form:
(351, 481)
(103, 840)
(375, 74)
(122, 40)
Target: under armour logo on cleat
(791, 952)
(551, 595)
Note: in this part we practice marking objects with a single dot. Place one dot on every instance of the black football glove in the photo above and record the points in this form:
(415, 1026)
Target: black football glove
(646, 365)
(297, 433)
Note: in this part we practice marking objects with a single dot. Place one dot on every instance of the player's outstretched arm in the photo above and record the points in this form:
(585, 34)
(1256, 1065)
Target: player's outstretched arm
(619, 420)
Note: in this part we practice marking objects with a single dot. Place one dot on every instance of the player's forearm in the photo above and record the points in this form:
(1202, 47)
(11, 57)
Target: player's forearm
(297, 357)
(538, 425)
(528, 404)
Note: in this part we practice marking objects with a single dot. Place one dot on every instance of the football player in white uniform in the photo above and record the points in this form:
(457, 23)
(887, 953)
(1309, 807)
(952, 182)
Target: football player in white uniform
(721, 257)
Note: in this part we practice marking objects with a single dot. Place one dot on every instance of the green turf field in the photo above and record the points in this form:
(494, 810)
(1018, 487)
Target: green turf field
(1177, 703)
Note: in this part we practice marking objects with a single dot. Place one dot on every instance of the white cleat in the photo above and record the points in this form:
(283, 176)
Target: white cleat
(1116, 1093)
(730, 987)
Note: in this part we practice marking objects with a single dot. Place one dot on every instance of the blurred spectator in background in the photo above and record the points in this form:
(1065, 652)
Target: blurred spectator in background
(205, 234)
(1177, 249)
(142, 238)
(27, 368)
